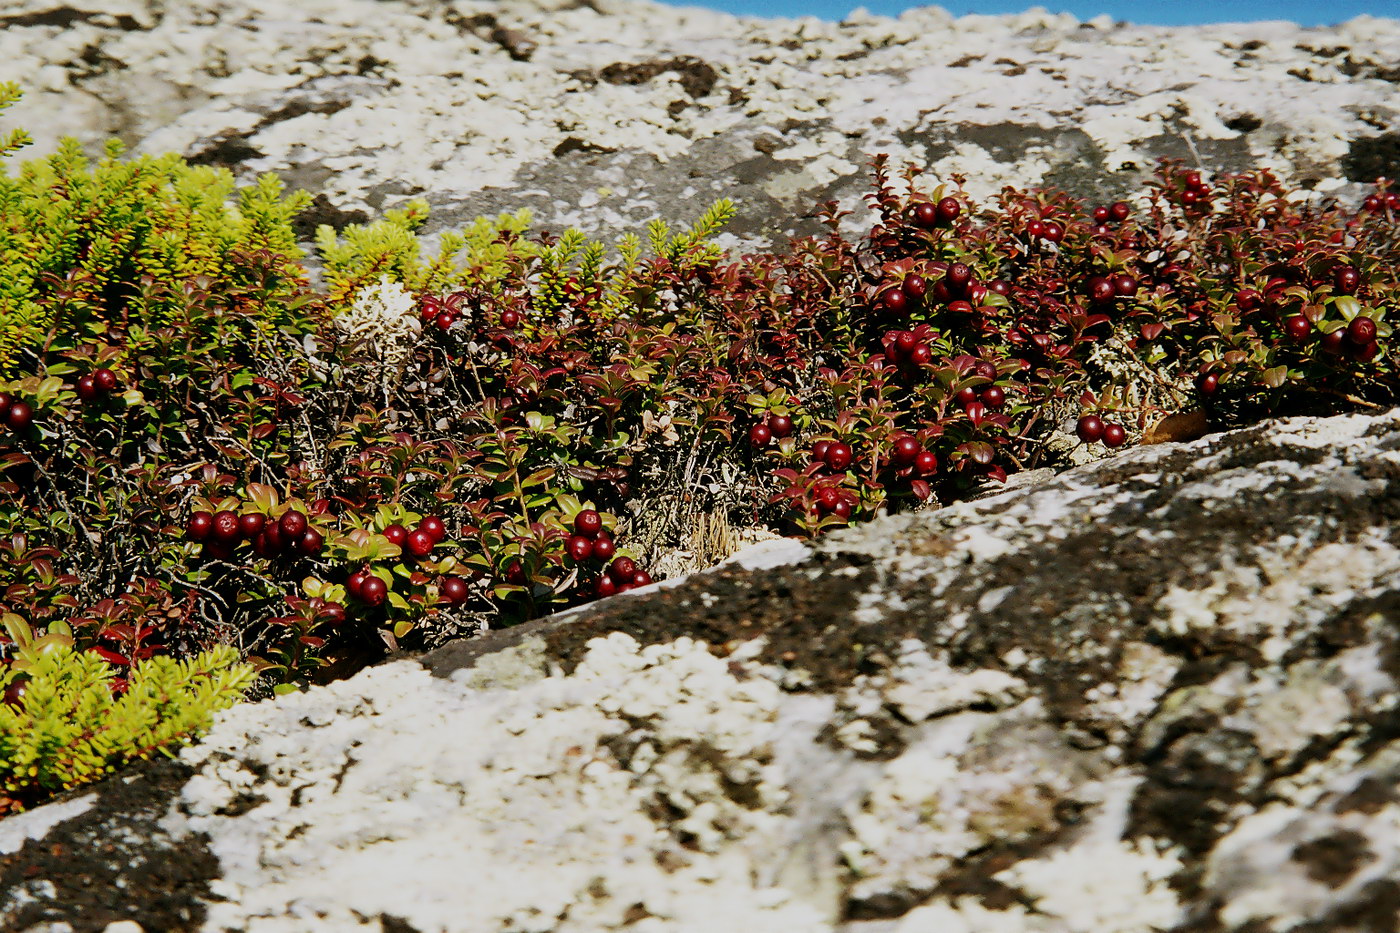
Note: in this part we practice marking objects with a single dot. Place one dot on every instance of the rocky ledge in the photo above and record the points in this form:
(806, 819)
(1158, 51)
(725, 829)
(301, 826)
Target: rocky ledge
(1154, 693)
(606, 113)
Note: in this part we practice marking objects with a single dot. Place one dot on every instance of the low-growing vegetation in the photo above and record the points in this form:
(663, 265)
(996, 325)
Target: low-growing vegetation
(204, 458)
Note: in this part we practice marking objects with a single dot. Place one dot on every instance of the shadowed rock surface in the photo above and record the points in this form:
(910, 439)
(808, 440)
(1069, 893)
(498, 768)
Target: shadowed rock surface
(1157, 692)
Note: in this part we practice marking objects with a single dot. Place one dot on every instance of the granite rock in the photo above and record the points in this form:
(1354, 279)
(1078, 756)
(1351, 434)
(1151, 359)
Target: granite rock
(1157, 692)
(603, 114)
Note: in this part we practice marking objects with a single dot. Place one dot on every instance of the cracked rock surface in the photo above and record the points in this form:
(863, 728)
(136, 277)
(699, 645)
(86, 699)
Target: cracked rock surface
(606, 113)
(1154, 693)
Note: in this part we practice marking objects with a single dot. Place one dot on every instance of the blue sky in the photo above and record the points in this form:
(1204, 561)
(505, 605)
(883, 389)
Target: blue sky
(1155, 12)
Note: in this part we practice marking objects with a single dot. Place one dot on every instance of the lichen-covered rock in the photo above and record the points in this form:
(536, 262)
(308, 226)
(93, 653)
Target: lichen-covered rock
(606, 113)
(1158, 692)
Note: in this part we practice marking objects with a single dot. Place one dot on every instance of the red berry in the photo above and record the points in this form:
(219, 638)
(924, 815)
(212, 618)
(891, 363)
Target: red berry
(433, 526)
(453, 590)
(373, 591)
(966, 396)
(21, 415)
(914, 285)
(397, 534)
(839, 456)
(958, 275)
(905, 342)
(1248, 299)
(1361, 331)
(1054, 232)
(274, 541)
(623, 569)
(515, 573)
(199, 526)
(760, 435)
(999, 286)
(926, 463)
(986, 369)
(104, 380)
(6, 402)
(895, 300)
(1101, 215)
(641, 578)
(419, 543)
(604, 547)
(920, 355)
(292, 523)
(1101, 289)
(1373, 204)
(925, 216)
(225, 527)
(15, 691)
(510, 318)
(1194, 180)
(251, 525)
(994, 397)
(905, 450)
(604, 586)
(1346, 279)
(780, 425)
(354, 584)
(1125, 285)
(1332, 343)
(588, 523)
(842, 509)
(1208, 383)
(1035, 229)
(86, 390)
(1090, 429)
(444, 321)
(579, 547)
(1119, 211)
(819, 450)
(1114, 435)
(1298, 327)
(949, 209)
(827, 497)
(311, 542)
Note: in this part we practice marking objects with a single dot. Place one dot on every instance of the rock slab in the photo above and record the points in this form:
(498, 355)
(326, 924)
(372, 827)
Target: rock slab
(1158, 692)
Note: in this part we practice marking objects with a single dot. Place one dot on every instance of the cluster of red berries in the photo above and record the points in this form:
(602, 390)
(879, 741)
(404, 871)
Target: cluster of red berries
(621, 575)
(441, 311)
(774, 426)
(220, 532)
(1052, 231)
(833, 500)
(908, 453)
(1197, 193)
(1115, 213)
(835, 455)
(926, 215)
(419, 542)
(977, 402)
(589, 541)
(15, 414)
(365, 586)
(97, 384)
(1378, 203)
(1092, 429)
(1103, 289)
(904, 349)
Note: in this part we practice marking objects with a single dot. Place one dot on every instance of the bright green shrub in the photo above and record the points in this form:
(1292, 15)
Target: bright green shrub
(85, 249)
(75, 721)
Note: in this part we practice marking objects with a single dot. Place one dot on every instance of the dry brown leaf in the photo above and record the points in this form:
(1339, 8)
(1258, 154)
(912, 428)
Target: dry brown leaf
(1182, 426)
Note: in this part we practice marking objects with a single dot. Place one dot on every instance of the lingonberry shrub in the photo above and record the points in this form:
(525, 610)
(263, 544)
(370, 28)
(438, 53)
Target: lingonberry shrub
(197, 448)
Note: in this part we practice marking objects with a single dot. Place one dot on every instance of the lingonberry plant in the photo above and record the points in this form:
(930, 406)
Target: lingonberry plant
(198, 449)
